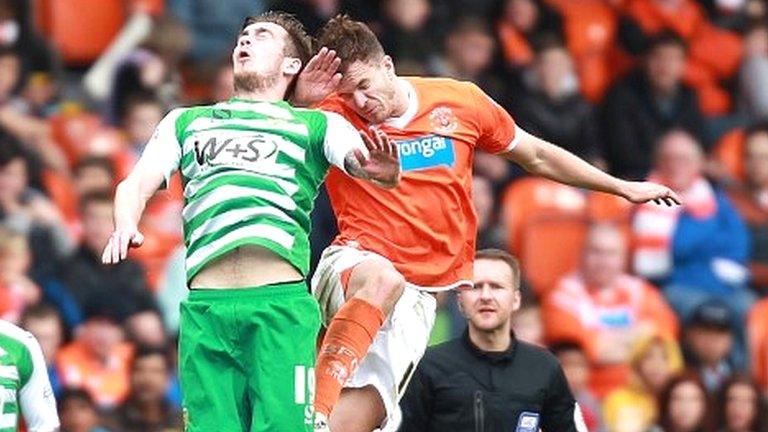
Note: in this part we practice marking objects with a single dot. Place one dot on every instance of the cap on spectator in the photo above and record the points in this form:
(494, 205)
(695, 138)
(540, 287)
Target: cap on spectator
(712, 314)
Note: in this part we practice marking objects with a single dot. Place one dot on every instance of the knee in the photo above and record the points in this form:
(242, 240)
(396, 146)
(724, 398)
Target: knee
(382, 287)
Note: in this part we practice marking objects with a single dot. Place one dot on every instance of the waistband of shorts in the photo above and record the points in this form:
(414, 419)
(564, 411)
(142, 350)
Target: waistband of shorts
(280, 289)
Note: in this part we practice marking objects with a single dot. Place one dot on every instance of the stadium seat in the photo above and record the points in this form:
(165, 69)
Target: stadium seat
(61, 191)
(551, 247)
(72, 130)
(604, 207)
(82, 33)
(531, 197)
(729, 151)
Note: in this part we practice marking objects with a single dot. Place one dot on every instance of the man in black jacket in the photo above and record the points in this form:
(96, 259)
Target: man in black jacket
(487, 380)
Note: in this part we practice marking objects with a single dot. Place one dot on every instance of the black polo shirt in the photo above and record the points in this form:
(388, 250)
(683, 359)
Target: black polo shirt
(458, 387)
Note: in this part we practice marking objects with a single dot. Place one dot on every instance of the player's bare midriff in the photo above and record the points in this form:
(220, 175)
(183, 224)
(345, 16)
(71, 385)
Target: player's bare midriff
(245, 267)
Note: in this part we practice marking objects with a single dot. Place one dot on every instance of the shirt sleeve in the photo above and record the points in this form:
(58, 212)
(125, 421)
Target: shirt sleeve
(340, 138)
(36, 399)
(561, 412)
(163, 150)
(498, 131)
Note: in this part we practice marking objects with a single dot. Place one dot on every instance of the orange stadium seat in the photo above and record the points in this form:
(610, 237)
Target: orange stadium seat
(590, 31)
(604, 207)
(729, 151)
(82, 30)
(72, 130)
(757, 327)
(551, 248)
(531, 197)
(62, 193)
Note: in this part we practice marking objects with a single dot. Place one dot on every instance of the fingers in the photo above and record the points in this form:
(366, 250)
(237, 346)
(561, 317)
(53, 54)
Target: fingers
(381, 140)
(360, 157)
(106, 256)
(314, 63)
(369, 144)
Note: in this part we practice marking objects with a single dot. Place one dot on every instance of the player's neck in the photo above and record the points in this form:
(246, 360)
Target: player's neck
(496, 340)
(265, 95)
(402, 101)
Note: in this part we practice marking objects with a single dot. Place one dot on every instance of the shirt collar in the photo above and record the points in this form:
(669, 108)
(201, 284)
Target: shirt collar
(492, 356)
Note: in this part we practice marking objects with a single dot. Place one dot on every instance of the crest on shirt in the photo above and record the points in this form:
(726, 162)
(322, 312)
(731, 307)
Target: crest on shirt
(528, 422)
(443, 120)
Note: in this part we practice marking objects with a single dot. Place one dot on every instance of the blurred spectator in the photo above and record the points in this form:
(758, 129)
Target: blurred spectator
(315, 13)
(408, 32)
(18, 33)
(550, 105)
(518, 24)
(468, 54)
(44, 322)
(152, 68)
(146, 328)
(224, 82)
(697, 250)
(646, 104)
(684, 405)
(757, 325)
(143, 112)
(212, 28)
(27, 211)
(751, 200)
(576, 367)
(97, 360)
(10, 66)
(753, 75)
(526, 322)
(741, 407)
(707, 342)
(78, 412)
(489, 233)
(606, 309)
(93, 284)
(17, 291)
(633, 408)
(93, 174)
(145, 409)
(733, 14)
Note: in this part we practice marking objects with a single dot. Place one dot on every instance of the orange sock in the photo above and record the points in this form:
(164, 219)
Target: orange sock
(346, 342)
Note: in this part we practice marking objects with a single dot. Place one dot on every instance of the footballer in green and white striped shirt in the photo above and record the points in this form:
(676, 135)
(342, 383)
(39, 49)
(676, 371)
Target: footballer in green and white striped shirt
(251, 168)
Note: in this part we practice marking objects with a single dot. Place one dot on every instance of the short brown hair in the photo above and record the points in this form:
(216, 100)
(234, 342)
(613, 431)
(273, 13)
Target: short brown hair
(506, 258)
(352, 41)
(300, 45)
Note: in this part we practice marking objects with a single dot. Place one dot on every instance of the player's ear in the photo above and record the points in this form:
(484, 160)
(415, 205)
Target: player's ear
(388, 64)
(291, 66)
(517, 300)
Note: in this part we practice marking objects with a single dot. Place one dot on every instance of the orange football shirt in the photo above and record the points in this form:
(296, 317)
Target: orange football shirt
(427, 225)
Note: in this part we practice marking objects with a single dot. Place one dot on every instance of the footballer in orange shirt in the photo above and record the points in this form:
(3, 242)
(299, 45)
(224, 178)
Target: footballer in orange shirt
(395, 246)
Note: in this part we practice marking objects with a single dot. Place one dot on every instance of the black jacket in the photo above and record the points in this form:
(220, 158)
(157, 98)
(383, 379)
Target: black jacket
(457, 387)
(633, 122)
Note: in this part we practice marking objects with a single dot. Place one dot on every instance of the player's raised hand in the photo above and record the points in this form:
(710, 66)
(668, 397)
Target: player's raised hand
(319, 78)
(641, 192)
(118, 244)
(382, 165)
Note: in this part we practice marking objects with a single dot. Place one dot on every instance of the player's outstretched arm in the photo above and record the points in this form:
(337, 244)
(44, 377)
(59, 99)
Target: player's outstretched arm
(548, 160)
(161, 157)
(319, 79)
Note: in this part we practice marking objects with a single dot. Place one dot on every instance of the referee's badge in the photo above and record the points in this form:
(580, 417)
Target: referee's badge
(528, 422)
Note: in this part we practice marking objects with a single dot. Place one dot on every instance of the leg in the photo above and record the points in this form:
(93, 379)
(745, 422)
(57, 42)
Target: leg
(373, 288)
(211, 379)
(740, 302)
(278, 337)
(684, 300)
(370, 397)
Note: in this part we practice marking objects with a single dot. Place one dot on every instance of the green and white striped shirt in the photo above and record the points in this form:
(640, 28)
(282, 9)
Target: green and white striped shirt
(24, 383)
(251, 171)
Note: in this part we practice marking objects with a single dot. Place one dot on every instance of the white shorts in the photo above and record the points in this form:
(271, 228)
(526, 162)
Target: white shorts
(399, 345)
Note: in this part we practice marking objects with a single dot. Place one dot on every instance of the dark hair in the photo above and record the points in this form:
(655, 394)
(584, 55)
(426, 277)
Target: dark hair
(666, 421)
(471, 24)
(10, 150)
(760, 420)
(138, 98)
(40, 311)
(663, 39)
(352, 40)
(757, 128)
(95, 197)
(143, 351)
(75, 394)
(100, 162)
(547, 41)
(505, 257)
(300, 45)
(565, 345)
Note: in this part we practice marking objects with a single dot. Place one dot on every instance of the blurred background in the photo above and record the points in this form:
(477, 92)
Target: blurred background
(658, 315)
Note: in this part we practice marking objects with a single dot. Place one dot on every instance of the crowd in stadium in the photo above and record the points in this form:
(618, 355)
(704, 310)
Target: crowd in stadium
(659, 315)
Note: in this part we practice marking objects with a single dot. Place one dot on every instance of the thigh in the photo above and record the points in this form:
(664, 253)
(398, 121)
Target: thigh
(281, 364)
(684, 299)
(213, 385)
(358, 410)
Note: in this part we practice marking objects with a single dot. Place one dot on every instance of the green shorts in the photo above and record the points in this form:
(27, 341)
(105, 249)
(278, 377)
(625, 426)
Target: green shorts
(247, 357)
